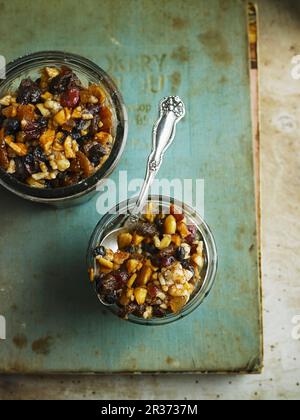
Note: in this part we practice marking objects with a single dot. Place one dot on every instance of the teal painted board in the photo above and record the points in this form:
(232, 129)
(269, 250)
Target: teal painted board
(198, 50)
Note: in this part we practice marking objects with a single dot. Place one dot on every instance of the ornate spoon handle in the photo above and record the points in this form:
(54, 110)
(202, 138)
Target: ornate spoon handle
(172, 110)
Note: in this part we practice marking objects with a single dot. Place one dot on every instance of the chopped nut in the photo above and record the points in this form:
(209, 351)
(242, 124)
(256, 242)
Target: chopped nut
(77, 112)
(52, 175)
(35, 184)
(11, 167)
(148, 313)
(198, 260)
(200, 248)
(175, 291)
(62, 116)
(120, 257)
(40, 175)
(52, 72)
(10, 111)
(69, 152)
(47, 139)
(63, 164)
(43, 167)
(19, 148)
(53, 106)
(6, 100)
(53, 164)
(98, 92)
(161, 296)
(87, 116)
(187, 250)
(75, 146)
(177, 303)
(47, 96)
(104, 138)
(44, 111)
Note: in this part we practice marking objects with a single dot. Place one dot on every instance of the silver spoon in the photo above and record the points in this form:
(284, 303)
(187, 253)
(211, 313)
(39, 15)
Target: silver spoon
(172, 110)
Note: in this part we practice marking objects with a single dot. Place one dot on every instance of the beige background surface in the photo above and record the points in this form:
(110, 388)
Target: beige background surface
(280, 191)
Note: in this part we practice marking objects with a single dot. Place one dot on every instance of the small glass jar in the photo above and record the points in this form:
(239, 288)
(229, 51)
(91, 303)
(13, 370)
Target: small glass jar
(88, 72)
(114, 218)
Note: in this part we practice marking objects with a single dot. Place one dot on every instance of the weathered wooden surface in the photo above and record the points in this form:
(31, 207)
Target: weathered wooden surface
(54, 322)
(279, 31)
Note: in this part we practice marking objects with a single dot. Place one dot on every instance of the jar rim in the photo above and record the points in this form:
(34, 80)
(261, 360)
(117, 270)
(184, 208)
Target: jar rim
(15, 69)
(210, 245)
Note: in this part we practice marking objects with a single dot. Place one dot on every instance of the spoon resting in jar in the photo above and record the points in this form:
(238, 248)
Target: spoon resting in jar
(171, 111)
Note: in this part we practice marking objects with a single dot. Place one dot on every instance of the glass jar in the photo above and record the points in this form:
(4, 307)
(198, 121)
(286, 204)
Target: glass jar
(113, 220)
(87, 71)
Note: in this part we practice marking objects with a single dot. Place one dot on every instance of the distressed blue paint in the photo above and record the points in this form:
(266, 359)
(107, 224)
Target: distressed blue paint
(198, 49)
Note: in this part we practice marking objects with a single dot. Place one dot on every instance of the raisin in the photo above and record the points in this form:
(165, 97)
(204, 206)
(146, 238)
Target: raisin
(122, 278)
(11, 125)
(34, 129)
(93, 109)
(85, 164)
(187, 266)
(167, 261)
(64, 81)
(70, 97)
(70, 179)
(146, 229)
(21, 172)
(158, 312)
(131, 308)
(99, 250)
(30, 163)
(96, 153)
(159, 222)
(153, 290)
(193, 232)
(60, 180)
(149, 248)
(94, 127)
(39, 155)
(180, 254)
(106, 287)
(139, 310)
(168, 252)
(131, 249)
(75, 166)
(28, 92)
(4, 161)
(156, 261)
(80, 124)
(2, 117)
(110, 298)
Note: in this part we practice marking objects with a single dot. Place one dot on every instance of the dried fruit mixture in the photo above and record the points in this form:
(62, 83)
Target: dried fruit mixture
(157, 268)
(54, 132)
